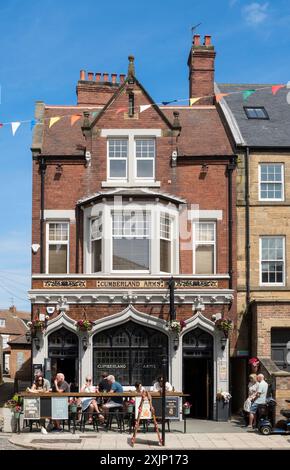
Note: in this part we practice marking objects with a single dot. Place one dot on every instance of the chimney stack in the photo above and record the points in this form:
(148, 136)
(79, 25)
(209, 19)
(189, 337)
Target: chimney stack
(201, 70)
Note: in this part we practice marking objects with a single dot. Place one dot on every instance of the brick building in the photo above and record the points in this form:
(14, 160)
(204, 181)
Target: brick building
(128, 196)
(260, 132)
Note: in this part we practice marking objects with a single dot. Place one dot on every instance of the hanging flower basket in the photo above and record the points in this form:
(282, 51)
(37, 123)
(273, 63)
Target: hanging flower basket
(223, 396)
(36, 325)
(225, 325)
(186, 408)
(84, 325)
(176, 326)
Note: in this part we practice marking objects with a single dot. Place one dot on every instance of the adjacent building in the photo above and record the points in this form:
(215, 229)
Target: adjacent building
(259, 128)
(128, 195)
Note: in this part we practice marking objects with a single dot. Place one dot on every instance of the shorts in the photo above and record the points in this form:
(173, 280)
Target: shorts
(254, 407)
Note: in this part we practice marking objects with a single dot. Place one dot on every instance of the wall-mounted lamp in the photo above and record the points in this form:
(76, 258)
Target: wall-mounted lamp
(37, 343)
(176, 343)
(224, 342)
(85, 343)
(204, 168)
(28, 336)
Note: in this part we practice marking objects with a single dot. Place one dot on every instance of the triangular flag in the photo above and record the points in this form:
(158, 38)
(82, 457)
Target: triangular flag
(247, 93)
(143, 107)
(94, 113)
(219, 96)
(14, 126)
(32, 123)
(74, 118)
(165, 103)
(53, 120)
(193, 100)
(120, 110)
(1, 125)
(276, 88)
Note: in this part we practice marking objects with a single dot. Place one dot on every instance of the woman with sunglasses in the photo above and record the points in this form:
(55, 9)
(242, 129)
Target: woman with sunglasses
(89, 404)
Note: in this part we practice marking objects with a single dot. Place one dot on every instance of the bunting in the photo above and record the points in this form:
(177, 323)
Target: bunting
(32, 124)
(94, 113)
(276, 88)
(120, 110)
(193, 100)
(53, 120)
(74, 118)
(165, 103)
(219, 96)
(14, 126)
(143, 107)
(247, 93)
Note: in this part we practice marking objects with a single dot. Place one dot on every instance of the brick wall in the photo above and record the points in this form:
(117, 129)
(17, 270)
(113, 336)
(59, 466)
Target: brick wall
(24, 372)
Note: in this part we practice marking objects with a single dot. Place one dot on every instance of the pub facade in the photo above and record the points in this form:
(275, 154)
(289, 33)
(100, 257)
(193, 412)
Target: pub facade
(130, 197)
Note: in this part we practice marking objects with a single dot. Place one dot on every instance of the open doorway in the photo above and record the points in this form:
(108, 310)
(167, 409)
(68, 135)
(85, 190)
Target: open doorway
(63, 353)
(198, 372)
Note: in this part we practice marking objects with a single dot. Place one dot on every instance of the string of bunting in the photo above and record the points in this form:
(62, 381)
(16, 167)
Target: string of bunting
(75, 117)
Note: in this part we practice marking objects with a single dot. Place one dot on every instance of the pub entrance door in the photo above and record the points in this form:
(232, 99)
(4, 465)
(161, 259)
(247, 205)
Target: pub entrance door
(63, 353)
(198, 372)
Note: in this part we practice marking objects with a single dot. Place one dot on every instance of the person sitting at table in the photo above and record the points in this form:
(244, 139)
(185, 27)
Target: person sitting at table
(157, 387)
(89, 403)
(59, 386)
(104, 385)
(115, 387)
(40, 384)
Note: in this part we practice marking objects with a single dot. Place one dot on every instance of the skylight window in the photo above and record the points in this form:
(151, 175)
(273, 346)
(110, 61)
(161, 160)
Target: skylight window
(256, 112)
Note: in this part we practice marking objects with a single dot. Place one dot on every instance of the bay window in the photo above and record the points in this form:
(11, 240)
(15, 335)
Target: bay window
(57, 247)
(204, 248)
(96, 243)
(130, 240)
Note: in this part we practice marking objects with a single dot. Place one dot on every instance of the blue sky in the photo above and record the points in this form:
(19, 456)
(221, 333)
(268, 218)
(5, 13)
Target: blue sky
(44, 44)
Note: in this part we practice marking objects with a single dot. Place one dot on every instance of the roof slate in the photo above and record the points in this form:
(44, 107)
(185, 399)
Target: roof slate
(272, 132)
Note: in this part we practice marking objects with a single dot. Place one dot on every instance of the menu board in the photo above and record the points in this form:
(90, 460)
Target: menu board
(59, 408)
(31, 408)
(145, 412)
(171, 407)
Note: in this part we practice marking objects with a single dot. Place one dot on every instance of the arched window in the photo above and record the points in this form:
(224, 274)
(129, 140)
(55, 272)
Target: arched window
(130, 352)
(62, 343)
(197, 343)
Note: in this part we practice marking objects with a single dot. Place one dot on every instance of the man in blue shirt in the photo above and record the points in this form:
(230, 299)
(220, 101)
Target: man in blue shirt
(116, 387)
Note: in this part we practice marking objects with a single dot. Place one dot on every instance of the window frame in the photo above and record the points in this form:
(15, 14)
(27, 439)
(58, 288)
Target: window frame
(2, 323)
(100, 215)
(271, 182)
(196, 243)
(170, 240)
(272, 284)
(109, 159)
(266, 117)
(128, 271)
(136, 159)
(56, 242)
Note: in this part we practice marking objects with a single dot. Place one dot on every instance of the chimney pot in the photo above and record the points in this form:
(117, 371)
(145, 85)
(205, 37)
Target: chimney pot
(98, 77)
(207, 40)
(196, 40)
(82, 75)
(122, 77)
(114, 77)
(90, 76)
(105, 76)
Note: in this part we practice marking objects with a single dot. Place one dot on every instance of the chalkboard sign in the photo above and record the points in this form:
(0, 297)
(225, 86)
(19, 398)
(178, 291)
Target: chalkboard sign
(31, 408)
(45, 407)
(59, 408)
(171, 407)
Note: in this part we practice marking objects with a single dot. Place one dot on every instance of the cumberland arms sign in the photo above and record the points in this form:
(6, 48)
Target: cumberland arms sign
(128, 283)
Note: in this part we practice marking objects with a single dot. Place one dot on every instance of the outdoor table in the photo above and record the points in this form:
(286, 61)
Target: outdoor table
(45, 406)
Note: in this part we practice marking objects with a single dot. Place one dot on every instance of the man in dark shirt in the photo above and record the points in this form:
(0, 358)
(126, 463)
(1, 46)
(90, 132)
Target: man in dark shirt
(59, 386)
(104, 385)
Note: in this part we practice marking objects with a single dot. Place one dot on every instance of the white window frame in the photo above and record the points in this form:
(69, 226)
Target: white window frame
(100, 215)
(2, 323)
(127, 271)
(5, 340)
(273, 284)
(170, 239)
(198, 242)
(107, 242)
(109, 159)
(265, 182)
(136, 159)
(56, 242)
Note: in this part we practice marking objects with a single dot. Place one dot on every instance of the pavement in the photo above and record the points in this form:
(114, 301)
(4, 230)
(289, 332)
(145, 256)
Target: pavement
(201, 435)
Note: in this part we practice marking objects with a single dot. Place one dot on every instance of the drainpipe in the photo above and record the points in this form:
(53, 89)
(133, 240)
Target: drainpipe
(231, 166)
(247, 242)
(42, 166)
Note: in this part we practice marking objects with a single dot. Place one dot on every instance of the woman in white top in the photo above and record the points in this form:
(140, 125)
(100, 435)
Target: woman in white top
(252, 389)
(90, 403)
(157, 387)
